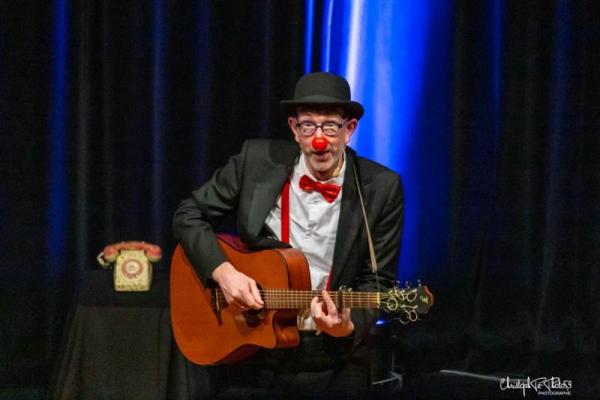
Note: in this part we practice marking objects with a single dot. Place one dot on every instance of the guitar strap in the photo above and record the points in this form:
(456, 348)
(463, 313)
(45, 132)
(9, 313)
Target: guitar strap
(364, 213)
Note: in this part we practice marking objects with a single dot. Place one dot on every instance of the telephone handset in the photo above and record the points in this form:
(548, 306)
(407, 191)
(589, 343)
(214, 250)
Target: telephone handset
(133, 269)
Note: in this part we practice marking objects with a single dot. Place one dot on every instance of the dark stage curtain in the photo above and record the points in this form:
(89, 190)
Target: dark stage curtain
(112, 112)
(518, 293)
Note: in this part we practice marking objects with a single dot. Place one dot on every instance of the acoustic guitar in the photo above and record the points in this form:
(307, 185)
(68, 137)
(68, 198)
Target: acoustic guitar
(208, 332)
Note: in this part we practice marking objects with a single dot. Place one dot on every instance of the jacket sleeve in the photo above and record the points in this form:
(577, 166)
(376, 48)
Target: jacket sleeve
(196, 217)
(386, 234)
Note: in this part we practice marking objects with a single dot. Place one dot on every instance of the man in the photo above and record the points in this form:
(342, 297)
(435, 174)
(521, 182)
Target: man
(322, 180)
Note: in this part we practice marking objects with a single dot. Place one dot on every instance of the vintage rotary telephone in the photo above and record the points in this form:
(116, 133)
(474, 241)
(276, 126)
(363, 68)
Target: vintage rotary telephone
(133, 268)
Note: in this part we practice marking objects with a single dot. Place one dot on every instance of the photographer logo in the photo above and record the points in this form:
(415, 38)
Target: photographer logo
(553, 386)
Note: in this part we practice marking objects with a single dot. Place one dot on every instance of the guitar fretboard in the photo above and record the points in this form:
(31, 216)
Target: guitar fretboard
(300, 299)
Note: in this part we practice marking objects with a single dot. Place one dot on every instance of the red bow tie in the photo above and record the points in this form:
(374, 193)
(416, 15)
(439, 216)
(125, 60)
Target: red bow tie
(328, 190)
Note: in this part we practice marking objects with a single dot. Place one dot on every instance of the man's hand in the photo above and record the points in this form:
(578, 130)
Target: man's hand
(239, 289)
(327, 318)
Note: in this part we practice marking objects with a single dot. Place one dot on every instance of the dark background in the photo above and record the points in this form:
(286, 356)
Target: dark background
(156, 96)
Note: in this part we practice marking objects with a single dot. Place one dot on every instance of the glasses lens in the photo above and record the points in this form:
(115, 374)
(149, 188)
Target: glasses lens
(330, 128)
(307, 128)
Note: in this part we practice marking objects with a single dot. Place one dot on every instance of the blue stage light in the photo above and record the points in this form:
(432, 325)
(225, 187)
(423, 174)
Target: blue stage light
(57, 185)
(308, 38)
(384, 49)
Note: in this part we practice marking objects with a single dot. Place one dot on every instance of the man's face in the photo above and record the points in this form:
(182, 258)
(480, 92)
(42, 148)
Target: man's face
(322, 163)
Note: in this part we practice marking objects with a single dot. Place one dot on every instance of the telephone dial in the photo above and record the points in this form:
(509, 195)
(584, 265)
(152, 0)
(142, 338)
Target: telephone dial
(132, 271)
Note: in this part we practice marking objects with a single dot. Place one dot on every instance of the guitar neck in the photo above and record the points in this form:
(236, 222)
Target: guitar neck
(300, 299)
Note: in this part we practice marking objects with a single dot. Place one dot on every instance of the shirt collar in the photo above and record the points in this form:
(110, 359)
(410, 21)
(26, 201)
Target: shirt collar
(301, 169)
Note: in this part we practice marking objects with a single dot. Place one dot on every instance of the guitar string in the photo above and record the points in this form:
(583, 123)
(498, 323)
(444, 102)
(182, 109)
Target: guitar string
(282, 298)
(287, 295)
(310, 296)
(303, 294)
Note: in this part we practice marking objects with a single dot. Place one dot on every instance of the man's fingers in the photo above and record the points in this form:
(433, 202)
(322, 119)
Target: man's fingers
(235, 304)
(241, 291)
(328, 319)
(248, 298)
(331, 308)
(316, 308)
(345, 314)
(256, 294)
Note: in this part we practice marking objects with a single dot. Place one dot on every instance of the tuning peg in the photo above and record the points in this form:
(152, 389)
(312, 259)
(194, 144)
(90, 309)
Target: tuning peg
(407, 284)
(419, 282)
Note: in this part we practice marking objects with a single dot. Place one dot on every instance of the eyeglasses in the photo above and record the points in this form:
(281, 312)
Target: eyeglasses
(329, 128)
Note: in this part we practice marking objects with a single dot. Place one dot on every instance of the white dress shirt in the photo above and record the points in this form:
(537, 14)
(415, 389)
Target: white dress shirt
(313, 225)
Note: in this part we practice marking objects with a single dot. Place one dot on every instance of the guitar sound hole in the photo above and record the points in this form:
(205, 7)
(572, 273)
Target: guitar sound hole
(253, 317)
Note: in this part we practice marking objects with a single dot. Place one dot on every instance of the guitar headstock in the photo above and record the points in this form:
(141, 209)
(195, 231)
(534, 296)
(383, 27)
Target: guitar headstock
(408, 302)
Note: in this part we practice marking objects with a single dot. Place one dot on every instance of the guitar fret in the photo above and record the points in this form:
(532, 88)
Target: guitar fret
(282, 298)
(294, 299)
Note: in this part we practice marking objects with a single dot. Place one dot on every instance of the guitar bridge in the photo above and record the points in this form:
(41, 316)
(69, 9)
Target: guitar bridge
(215, 304)
(214, 300)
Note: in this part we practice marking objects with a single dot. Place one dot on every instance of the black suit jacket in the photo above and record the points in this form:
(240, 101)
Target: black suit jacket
(249, 185)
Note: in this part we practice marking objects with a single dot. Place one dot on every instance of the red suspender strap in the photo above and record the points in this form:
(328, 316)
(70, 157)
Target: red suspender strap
(285, 212)
(328, 286)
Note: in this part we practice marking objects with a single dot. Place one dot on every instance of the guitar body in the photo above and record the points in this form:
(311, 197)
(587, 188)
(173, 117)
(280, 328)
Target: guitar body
(209, 336)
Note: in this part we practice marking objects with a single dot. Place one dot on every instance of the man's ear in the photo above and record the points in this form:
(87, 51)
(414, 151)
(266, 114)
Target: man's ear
(292, 124)
(351, 126)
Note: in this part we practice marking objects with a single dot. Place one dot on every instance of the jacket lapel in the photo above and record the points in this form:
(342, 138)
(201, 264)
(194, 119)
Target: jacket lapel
(349, 222)
(264, 197)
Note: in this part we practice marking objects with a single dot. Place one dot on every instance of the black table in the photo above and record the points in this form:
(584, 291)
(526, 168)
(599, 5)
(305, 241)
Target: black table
(120, 345)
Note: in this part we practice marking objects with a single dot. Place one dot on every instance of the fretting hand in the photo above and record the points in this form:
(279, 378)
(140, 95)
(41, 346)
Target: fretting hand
(328, 319)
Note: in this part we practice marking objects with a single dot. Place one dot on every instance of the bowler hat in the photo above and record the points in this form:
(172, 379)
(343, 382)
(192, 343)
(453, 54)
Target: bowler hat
(323, 88)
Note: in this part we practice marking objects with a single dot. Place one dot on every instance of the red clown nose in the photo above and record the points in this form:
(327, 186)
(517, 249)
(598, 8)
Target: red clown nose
(319, 143)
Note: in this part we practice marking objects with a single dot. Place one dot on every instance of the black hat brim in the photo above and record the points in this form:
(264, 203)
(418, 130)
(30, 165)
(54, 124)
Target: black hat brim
(353, 108)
